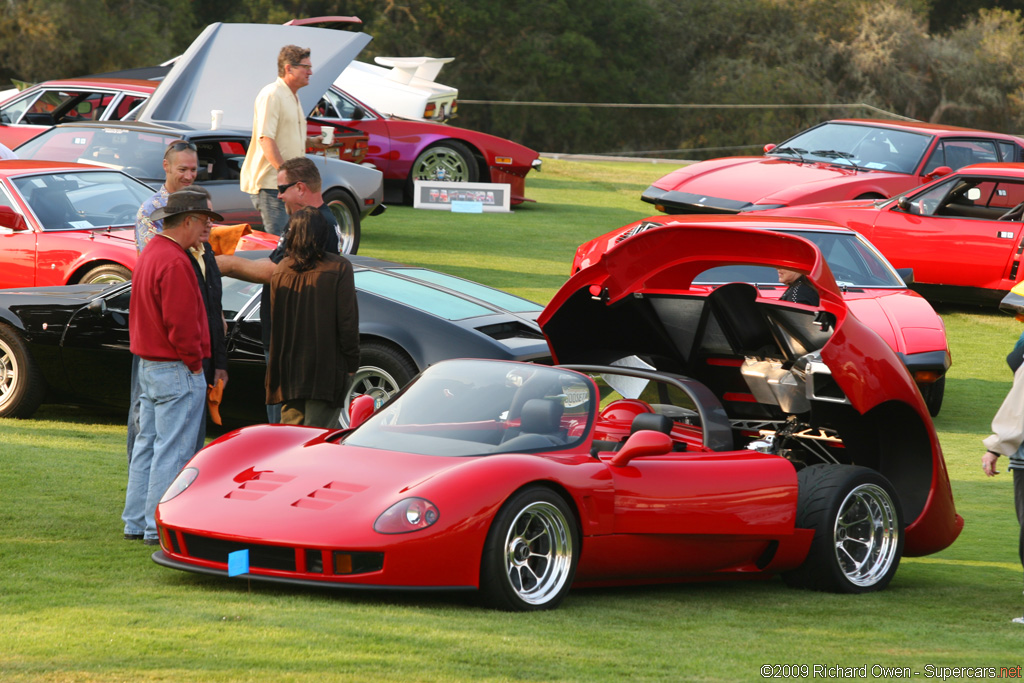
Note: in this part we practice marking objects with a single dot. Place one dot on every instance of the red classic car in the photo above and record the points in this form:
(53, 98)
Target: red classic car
(835, 160)
(871, 288)
(696, 434)
(67, 223)
(27, 114)
(962, 234)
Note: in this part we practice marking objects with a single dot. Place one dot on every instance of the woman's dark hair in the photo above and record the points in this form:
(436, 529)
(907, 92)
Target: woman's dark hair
(306, 242)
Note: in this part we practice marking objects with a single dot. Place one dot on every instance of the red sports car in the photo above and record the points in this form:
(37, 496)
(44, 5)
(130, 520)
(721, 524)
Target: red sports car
(873, 291)
(962, 235)
(835, 160)
(68, 223)
(696, 434)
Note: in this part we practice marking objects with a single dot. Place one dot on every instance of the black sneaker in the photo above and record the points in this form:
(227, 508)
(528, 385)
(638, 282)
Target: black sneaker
(151, 541)
(133, 537)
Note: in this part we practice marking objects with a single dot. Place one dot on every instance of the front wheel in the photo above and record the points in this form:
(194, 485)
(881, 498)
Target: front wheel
(108, 274)
(450, 160)
(531, 552)
(933, 394)
(21, 383)
(858, 529)
(345, 211)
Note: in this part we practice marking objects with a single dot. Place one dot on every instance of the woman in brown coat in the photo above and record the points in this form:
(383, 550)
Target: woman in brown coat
(314, 326)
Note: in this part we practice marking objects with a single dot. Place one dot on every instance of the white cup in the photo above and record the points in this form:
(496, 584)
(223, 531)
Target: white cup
(327, 133)
(216, 115)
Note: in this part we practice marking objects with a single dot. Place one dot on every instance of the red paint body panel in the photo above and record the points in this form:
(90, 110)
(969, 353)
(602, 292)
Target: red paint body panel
(948, 252)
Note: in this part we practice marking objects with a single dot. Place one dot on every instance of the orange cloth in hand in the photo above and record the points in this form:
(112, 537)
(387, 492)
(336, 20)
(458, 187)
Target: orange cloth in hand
(214, 394)
(224, 238)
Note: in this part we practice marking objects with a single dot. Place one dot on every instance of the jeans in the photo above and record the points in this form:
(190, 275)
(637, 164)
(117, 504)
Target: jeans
(273, 409)
(272, 211)
(171, 405)
(134, 408)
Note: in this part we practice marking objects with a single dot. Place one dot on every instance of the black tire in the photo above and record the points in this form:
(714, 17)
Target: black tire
(858, 529)
(22, 386)
(531, 552)
(450, 157)
(383, 371)
(933, 394)
(346, 213)
(108, 274)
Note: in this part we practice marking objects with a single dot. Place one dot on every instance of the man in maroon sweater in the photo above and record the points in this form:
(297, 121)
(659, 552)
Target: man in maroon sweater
(170, 335)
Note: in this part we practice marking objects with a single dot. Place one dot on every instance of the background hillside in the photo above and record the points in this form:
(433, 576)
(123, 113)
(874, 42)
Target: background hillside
(767, 68)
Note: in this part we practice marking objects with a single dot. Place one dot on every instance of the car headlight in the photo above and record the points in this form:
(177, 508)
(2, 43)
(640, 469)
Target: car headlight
(180, 483)
(411, 514)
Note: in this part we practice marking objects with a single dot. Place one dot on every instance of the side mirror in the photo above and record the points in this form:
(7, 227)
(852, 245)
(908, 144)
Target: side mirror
(359, 410)
(907, 274)
(12, 220)
(938, 173)
(644, 442)
(904, 204)
(97, 306)
(769, 147)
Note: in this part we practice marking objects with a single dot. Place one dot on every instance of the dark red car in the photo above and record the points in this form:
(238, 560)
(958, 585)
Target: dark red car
(963, 234)
(835, 160)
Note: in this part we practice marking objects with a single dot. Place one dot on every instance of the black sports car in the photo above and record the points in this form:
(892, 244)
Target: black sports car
(70, 344)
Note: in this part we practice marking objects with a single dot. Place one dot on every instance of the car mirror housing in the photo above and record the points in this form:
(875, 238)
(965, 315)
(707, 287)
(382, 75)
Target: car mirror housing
(904, 204)
(12, 220)
(769, 147)
(938, 172)
(359, 409)
(644, 442)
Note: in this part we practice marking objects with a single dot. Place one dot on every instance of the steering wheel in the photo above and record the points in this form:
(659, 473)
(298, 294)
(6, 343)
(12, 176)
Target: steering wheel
(123, 213)
(1013, 214)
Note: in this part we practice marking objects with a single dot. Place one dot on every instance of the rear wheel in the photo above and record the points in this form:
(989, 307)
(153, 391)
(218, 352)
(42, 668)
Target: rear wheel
(858, 529)
(530, 556)
(22, 386)
(346, 213)
(108, 274)
(383, 371)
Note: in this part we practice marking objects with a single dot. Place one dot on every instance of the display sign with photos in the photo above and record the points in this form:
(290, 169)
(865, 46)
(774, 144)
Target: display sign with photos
(461, 197)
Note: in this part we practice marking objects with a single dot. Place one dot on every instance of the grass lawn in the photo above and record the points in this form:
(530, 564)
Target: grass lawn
(77, 603)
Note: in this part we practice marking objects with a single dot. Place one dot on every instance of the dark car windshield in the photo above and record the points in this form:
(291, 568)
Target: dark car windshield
(853, 262)
(867, 147)
(479, 407)
(138, 153)
(80, 200)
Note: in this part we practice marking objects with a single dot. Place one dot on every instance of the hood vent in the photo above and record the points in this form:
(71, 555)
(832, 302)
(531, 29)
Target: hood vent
(510, 330)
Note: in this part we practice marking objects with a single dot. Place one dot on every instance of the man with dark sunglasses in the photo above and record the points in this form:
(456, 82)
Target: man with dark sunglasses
(278, 133)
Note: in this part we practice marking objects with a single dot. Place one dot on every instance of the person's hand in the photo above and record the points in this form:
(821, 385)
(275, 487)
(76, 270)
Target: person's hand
(220, 374)
(988, 464)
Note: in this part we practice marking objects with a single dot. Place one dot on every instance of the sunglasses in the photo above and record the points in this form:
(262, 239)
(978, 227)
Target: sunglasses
(281, 189)
(181, 145)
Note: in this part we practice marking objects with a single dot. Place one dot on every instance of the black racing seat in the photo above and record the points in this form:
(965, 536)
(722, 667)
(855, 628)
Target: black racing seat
(540, 426)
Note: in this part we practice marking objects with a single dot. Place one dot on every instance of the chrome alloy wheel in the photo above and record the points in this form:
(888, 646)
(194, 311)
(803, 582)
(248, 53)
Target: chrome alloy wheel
(538, 552)
(866, 534)
(371, 381)
(9, 372)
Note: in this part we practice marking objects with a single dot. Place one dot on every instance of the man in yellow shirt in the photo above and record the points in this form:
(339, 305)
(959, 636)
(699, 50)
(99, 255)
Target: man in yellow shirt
(278, 133)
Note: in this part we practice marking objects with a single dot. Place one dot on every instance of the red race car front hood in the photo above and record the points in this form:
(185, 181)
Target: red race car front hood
(759, 180)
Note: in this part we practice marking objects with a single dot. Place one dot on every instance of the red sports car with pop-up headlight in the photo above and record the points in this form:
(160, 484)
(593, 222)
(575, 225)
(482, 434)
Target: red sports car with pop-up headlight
(691, 433)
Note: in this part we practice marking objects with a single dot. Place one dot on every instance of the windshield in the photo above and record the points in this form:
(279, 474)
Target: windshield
(852, 260)
(479, 407)
(138, 153)
(83, 199)
(866, 147)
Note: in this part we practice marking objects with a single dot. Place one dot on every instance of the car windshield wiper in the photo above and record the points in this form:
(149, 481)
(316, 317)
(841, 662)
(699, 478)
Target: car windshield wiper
(795, 151)
(833, 154)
